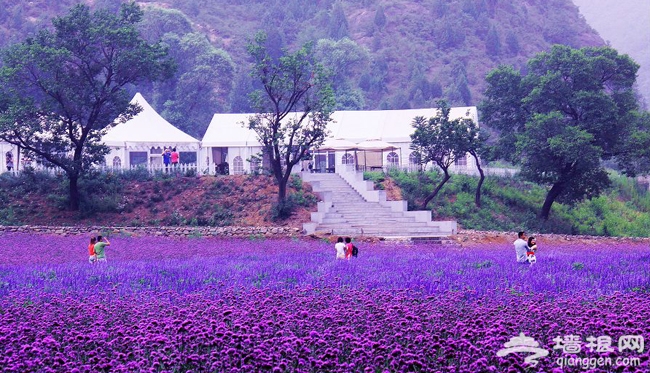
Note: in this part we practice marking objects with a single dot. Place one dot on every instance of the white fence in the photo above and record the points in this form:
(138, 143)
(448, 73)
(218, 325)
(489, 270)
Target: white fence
(188, 169)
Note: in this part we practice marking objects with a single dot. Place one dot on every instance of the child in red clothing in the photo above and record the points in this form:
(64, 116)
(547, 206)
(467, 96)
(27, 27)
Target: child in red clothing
(91, 251)
(532, 249)
(348, 248)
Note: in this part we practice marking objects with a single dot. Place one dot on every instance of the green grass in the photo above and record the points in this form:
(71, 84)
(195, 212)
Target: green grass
(510, 204)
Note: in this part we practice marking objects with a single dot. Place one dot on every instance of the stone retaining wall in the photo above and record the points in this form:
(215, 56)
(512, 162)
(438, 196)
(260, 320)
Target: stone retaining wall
(468, 237)
(268, 232)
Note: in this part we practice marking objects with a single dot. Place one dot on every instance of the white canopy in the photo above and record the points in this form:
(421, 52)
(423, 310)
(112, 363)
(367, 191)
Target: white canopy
(392, 126)
(147, 127)
(375, 145)
(337, 144)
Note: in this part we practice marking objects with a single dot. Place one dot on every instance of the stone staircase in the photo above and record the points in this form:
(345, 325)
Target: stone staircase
(349, 206)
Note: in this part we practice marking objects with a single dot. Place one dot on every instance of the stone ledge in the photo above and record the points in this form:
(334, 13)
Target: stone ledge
(180, 232)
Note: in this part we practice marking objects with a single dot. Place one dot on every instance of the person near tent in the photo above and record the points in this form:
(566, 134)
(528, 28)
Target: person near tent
(175, 157)
(167, 156)
(10, 161)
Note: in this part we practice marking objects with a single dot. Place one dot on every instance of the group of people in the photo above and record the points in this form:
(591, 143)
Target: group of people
(97, 249)
(170, 156)
(345, 249)
(526, 249)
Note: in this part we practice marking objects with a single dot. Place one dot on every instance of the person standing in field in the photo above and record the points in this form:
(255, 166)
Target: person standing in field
(340, 248)
(92, 258)
(100, 247)
(521, 247)
(348, 247)
(175, 157)
(532, 250)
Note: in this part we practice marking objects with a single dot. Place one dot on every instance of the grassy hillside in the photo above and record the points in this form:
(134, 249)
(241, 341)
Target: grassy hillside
(418, 51)
(510, 204)
(137, 198)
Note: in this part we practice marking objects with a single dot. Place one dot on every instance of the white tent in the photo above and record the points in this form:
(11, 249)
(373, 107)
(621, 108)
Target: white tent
(141, 140)
(227, 140)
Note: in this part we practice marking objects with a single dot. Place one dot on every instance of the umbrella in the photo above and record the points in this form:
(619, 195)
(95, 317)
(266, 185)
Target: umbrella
(337, 144)
(375, 145)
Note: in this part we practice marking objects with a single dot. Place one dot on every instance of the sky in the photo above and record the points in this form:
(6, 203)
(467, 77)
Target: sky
(625, 24)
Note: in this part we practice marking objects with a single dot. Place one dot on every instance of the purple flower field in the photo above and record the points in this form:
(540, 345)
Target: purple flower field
(214, 305)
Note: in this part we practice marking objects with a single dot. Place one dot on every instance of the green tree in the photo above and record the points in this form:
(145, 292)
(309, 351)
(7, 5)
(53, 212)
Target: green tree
(493, 42)
(63, 88)
(380, 17)
(293, 109)
(573, 108)
(441, 141)
(338, 25)
(344, 60)
(201, 85)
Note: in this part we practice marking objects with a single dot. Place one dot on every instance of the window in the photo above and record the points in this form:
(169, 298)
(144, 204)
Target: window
(238, 165)
(393, 159)
(347, 159)
(117, 162)
(156, 151)
(414, 159)
(138, 158)
(461, 161)
(187, 157)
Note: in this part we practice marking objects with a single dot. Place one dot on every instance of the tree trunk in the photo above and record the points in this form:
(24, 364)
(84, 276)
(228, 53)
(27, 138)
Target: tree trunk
(282, 190)
(552, 194)
(74, 192)
(477, 196)
(435, 191)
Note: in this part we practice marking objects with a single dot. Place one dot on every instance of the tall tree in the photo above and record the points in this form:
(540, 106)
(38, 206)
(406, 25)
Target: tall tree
(442, 141)
(293, 109)
(63, 88)
(572, 109)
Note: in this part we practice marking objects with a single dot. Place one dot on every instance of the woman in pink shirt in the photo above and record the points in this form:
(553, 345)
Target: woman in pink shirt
(175, 157)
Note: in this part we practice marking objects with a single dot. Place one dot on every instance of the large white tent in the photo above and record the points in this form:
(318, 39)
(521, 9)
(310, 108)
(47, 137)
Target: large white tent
(141, 140)
(227, 140)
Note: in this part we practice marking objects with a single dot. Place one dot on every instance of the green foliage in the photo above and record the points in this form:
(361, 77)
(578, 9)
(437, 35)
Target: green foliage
(62, 88)
(377, 177)
(439, 30)
(510, 204)
(572, 109)
(292, 83)
(442, 141)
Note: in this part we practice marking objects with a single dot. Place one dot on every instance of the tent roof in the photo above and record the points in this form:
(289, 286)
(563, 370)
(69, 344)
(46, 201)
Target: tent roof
(147, 126)
(391, 126)
(228, 130)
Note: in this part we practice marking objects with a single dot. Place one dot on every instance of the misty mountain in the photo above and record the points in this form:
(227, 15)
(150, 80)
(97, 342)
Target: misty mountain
(624, 25)
(384, 54)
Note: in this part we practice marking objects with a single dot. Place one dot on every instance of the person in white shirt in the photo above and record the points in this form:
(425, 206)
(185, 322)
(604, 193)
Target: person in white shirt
(340, 248)
(521, 247)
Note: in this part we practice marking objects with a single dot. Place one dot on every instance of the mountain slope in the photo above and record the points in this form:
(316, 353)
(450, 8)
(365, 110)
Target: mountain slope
(410, 53)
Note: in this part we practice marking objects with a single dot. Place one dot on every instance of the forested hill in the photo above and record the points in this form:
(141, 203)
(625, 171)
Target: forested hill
(385, 54)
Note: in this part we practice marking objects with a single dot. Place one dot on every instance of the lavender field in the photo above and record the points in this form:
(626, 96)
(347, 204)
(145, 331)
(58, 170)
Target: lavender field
(213, 305)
